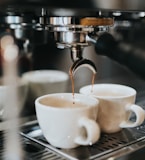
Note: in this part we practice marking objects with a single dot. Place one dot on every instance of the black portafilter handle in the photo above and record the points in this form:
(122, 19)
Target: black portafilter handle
(125, 54)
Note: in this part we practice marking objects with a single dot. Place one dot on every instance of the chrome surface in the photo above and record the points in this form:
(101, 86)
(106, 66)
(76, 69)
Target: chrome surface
(70, 38)
(73, 35)
(60, 20)
(79, 61)
(82, 63)
(68, 31)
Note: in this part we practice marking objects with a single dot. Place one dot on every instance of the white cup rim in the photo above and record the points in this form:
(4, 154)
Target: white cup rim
(59, 76)
(129, 90)
(94, 101)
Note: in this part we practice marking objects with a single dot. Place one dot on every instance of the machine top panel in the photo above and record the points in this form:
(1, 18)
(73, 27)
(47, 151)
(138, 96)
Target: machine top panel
(109, 5)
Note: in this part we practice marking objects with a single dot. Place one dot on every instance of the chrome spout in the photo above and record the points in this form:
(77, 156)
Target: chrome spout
(79, 61)
(76, 53)
(78, 64)
(82, 63)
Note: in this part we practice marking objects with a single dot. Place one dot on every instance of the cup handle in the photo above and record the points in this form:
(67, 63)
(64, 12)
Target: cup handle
(92, 130)
(140, 117)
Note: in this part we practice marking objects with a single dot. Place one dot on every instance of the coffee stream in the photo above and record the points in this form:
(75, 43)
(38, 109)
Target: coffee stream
(73, 85)
(93, 81)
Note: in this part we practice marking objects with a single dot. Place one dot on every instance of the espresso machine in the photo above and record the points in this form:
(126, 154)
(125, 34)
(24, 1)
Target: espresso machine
(112, 29)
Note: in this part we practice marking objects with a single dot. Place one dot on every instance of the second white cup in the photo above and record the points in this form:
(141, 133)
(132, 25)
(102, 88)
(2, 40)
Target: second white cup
(116, 105)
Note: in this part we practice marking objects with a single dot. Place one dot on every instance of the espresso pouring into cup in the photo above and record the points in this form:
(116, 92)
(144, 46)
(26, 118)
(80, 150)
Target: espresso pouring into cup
(67, 125)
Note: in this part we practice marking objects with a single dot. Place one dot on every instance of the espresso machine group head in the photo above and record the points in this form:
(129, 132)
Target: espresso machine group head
(74, 24)
(75, 33)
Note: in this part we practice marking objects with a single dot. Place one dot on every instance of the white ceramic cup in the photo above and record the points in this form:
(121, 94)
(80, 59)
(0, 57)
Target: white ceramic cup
(41, 82)
(68, 122)
(116, 105)
(22, 90)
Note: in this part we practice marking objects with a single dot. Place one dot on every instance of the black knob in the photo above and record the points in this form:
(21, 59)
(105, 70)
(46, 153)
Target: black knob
(125, 54)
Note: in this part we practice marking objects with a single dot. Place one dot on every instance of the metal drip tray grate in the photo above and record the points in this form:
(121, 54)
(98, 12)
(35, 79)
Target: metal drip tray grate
(109, 144)
(116, 145)
(32, 150)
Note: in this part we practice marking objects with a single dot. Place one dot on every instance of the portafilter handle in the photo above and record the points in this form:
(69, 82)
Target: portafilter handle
(126, 54)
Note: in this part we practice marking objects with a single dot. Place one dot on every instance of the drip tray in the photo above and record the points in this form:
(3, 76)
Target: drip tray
(118, 144)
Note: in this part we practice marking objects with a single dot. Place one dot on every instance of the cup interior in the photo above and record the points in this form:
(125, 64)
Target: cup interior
(108, 90)
(66, 100)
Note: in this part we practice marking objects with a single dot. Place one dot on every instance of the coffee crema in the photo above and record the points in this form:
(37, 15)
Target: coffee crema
(61, 103)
